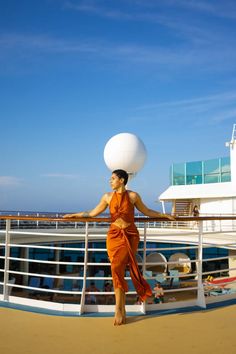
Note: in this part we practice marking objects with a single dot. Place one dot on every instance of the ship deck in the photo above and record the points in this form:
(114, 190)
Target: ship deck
(192, 332)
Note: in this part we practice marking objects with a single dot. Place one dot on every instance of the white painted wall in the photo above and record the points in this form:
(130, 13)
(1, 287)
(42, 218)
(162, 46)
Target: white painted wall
(218, 207)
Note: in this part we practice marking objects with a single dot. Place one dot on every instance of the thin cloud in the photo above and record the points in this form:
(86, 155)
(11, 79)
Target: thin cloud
(168, 13)
(9, 181)
(95, 9)
(11, 41)
(173, 57)
(140, 8)
(206, 101)
(212, 109)
(216, 8)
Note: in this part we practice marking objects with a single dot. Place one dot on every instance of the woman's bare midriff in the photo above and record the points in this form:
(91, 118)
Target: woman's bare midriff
(122, 224)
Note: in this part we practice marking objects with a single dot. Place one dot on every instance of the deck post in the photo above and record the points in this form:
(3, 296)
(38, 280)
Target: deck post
(7, 255)
(200, 291)
(82, 303)
(143, 306)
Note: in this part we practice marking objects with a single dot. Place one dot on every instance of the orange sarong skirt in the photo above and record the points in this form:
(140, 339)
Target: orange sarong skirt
(122, 245)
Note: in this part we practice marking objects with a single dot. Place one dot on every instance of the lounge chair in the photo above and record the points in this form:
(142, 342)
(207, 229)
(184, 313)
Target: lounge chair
(34, 282)
(174, 278)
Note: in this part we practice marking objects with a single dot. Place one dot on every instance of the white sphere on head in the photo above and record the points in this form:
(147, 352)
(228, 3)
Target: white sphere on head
(125, 151)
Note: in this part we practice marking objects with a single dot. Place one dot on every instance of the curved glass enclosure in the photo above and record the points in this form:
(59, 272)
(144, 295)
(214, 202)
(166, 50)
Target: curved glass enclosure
(201, 172)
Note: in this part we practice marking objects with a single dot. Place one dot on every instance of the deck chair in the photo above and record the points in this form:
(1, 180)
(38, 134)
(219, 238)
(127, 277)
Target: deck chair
(48, 283)
(151, 282)
(174, 278)
(68, 285)
(34, 282)
(160, 278)
(129, 281)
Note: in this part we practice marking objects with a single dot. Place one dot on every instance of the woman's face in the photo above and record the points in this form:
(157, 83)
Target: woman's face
(116, 182)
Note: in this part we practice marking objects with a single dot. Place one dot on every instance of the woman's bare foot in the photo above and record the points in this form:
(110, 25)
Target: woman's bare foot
(123, 316)
(118, 319)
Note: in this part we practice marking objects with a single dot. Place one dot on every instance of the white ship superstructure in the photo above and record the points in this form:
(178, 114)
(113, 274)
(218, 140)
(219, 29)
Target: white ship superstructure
(209, 184)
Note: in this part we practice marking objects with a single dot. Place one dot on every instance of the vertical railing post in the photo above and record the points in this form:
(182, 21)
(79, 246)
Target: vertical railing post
(56, 222)
(82, 302)
(143, 306)
(18, 221)
(7, 255)
(200, 289)
(37, 222)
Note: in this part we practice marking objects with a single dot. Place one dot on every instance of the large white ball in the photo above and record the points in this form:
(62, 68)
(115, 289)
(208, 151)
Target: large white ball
(125, 151)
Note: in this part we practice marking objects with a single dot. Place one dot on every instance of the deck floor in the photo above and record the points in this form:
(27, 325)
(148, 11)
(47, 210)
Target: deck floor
(192, 332)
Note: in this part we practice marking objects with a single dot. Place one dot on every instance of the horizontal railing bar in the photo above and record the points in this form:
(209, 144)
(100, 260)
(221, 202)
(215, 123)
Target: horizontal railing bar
(168, 248)
(58, 291)
(172, 262)
(35, 233)
(108, 220)
(184, 261)
(222, 245)
(40, 275)
(179, 289)
(46, 290)
(219, 284)
(216, 259)
(218, 271)
(47, 247)
(98, 264)
(104, 249)
(102, 278)
(46, 262)
(186, 275)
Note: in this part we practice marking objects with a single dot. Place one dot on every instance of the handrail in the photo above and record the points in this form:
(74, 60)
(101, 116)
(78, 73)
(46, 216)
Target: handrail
(87, 261)
(106, 219)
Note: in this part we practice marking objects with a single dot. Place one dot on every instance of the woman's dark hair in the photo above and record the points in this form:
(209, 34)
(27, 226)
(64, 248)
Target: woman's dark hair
(122, 174)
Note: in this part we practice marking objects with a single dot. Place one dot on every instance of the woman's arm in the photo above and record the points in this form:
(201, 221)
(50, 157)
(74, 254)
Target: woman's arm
(149, 212)
(102, 205)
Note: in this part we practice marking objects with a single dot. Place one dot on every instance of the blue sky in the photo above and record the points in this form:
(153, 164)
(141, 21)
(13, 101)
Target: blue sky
(75, 73)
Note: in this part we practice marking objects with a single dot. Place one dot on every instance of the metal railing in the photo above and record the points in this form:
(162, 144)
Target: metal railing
(19, 269)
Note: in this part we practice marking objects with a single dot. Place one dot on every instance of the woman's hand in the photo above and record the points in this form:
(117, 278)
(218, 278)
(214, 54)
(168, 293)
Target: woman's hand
(167, 216)
(76, 215)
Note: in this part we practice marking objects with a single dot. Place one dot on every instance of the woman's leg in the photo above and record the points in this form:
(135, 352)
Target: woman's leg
(123, 308)
(119, 309)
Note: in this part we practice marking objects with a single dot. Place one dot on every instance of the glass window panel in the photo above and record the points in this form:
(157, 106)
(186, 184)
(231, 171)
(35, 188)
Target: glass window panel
(179, 169)
(194, 172)
(215, 171)
(226, 177)
(225, 164)
(211, 166)
(196, 179)
(194, 168)
(178, 181)
(179, 174)
(212, 178)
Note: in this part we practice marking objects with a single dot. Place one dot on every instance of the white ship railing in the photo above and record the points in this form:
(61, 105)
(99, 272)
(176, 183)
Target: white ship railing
(22, 293)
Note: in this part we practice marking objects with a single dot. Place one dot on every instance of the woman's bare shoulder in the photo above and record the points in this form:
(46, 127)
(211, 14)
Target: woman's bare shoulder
(107, 196)
(133, 196)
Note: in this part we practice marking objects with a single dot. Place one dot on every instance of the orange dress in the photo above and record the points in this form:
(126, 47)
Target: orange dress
(122, 245)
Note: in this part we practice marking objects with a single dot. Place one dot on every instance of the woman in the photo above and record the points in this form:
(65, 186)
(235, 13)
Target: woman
(123, 238)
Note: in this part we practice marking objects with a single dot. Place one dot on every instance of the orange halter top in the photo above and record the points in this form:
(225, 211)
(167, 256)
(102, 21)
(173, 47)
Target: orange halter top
(121, 207)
